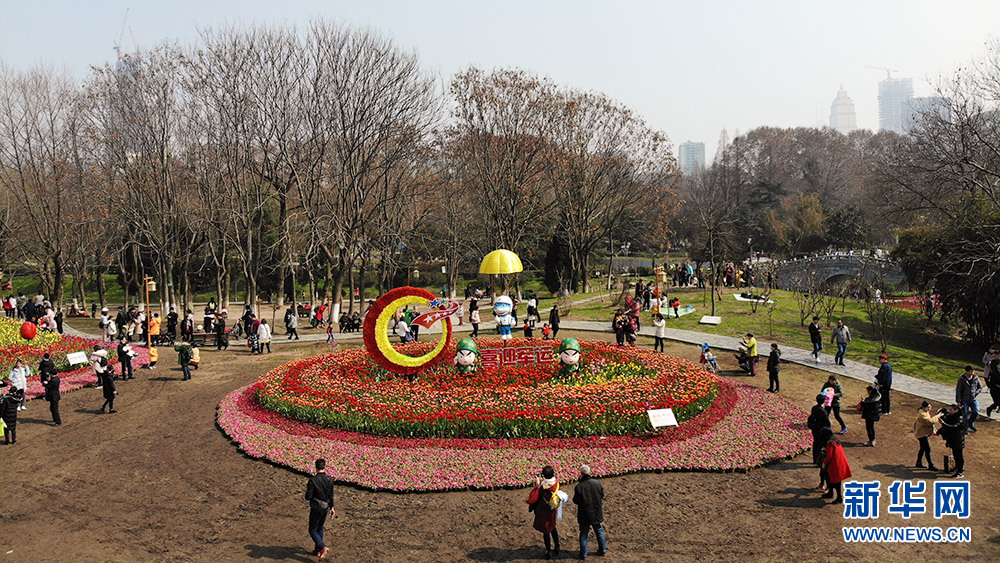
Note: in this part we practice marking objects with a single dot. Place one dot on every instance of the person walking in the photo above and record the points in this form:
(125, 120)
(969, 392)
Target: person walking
(264, 336)
(10, 403)
(751, 345)
(554, 320)
(953, 432)
(871, 412)
(545, 505)
(52, 396)
(319, 493)
(837, 468)
(923, 428)
(19, 381)
(292, 324)
(109, 390)
(834, 406)
(993, 382)
(816, 337)
(184, 356)
(817, 421)
(773, 368)
(661, 332)
(588, 495)
(841, 337)
(884, 380)
(474, 321)
(967, 390)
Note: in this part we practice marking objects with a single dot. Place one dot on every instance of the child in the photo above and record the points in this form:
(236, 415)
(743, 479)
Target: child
(708, 359)
(546, 331)
(528, 333)
(329, 333)
(677, 306)
(154, 356)
(195, 356)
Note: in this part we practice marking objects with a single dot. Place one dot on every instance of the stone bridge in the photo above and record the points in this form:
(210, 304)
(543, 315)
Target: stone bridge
(836, 268)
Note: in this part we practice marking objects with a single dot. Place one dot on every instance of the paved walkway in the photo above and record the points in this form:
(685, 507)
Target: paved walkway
(935, 392)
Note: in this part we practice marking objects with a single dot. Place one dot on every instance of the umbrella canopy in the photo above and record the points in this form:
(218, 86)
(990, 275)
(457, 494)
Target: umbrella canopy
(500, 262)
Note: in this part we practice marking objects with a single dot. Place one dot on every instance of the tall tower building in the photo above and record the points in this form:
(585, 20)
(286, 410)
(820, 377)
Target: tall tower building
(894, 109)
(691, 157)
(842, 117)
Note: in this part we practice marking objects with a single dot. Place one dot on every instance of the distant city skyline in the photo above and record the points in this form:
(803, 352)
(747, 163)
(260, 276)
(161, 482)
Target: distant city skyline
(691, 70)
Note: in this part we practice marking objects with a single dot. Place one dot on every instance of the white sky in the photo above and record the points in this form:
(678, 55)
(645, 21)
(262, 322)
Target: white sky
(691, 68)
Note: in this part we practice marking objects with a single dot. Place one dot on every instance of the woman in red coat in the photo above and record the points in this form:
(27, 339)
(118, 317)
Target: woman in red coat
(545, 515)
(838, 468)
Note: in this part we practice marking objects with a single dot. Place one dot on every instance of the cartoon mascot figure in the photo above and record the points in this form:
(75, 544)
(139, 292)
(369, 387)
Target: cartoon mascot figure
(505, 320)
(465, 355)
(569, 357)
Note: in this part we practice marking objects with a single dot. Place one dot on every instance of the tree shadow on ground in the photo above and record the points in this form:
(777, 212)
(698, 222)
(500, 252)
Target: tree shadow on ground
(800, 498)
(787, 465)
(902, 472)
(278, 553)
(496, 554)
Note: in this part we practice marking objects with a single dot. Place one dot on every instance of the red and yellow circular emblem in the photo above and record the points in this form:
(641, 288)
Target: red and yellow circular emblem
(377, 326)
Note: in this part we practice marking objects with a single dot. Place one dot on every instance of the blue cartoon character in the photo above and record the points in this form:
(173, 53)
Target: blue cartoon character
(505, 321)
(465, 355)
(569, 357)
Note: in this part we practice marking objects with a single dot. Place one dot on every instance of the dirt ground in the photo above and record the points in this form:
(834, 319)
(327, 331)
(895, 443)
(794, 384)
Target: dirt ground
(158, 481)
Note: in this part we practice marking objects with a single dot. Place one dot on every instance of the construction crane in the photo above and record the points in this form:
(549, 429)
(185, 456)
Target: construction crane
(888, 71)
(118, 44)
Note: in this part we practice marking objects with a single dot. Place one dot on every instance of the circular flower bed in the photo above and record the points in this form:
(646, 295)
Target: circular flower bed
(494, 429)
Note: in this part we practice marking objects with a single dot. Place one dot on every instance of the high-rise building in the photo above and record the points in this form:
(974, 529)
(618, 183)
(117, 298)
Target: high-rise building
(842, 117)
(691, 157)
(894, 104)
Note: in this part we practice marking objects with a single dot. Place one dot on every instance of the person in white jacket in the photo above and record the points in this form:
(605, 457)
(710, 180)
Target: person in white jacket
(264, 336)
(19, 380)
(661, 331)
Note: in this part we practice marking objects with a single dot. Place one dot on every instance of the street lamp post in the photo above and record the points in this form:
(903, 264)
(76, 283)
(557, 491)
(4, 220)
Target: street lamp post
(150, 285)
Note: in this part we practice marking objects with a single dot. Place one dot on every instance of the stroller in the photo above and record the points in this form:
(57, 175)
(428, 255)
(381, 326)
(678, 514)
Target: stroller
(237, 330)
(708, 359)
(744, 359)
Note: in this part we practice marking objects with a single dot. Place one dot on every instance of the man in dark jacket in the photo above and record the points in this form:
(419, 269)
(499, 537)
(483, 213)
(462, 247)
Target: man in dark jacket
(319, 493)
(52, 395)
(884, 380)
(818, 420)
(968, 388)
(554, 320)
(172, 324)
(125, 354)
(952, 431)
(589, 496)
(773, 368)
(816, 337)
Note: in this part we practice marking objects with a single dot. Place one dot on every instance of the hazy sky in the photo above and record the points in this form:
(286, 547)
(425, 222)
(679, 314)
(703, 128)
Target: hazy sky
(691, 68)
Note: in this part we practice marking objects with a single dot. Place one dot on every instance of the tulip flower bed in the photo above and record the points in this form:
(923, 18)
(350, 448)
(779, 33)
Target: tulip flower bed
(13, 348)
(724, 426)
(608, 397)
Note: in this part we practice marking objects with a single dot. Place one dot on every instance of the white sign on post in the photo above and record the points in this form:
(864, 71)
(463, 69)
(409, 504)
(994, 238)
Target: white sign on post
(660, 418)
(76, 358)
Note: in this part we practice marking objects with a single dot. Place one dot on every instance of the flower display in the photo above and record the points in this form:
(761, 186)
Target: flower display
(608, 395)
(765, 428)
(13, 348)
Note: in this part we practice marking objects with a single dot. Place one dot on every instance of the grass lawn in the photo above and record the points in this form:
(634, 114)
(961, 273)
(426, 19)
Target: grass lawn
(930, 353)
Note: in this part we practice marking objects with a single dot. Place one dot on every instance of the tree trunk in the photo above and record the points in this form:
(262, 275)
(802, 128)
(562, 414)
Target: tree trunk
(361, 285)
(102, 288)
(58, 279)
(350, 288)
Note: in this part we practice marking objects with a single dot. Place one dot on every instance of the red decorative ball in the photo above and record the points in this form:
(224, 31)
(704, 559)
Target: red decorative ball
(28, 330)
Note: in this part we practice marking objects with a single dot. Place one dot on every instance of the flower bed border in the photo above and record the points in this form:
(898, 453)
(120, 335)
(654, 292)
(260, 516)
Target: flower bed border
(765, 428)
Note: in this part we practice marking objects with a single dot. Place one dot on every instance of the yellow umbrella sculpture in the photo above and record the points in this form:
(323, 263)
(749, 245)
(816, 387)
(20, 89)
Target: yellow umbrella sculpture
(500, 263)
